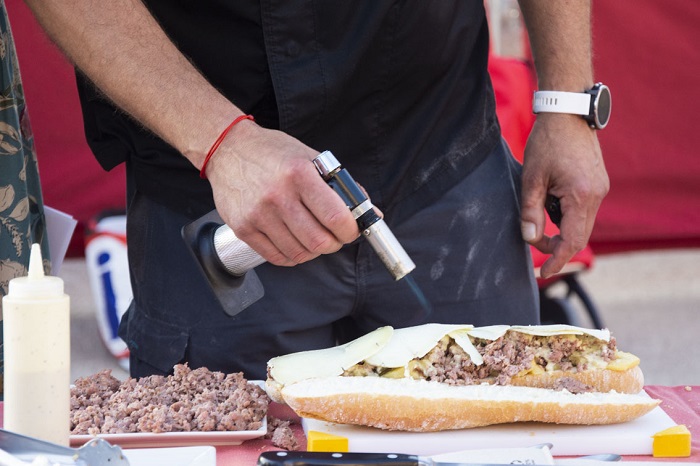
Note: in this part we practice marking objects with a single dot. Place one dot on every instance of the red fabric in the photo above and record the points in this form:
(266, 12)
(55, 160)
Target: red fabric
(513, 82)
(646, 52)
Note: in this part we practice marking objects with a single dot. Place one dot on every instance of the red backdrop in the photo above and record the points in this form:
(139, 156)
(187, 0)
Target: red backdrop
(646, 51)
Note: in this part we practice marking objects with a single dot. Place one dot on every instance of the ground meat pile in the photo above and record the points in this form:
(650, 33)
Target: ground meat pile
(503, 358)
(189, 400)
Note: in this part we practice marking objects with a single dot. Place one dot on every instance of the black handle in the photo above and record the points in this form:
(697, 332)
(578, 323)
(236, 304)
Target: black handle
(314, 458)
(553, 208)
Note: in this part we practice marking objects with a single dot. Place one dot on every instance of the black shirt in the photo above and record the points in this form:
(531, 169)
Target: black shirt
(398, 90)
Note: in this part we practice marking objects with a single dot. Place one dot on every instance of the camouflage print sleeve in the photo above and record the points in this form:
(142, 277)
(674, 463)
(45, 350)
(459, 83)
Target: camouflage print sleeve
(21, 203)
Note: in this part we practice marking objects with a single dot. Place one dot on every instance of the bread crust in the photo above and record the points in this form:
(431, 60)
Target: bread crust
(602, 380)
(274, 390)
(420, 406)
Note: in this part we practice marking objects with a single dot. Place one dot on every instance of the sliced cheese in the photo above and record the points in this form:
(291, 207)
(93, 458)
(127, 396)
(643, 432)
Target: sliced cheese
(327, 362)
(461, 337)
(673, 442)
(491, 332)
(559, 329)
(410, 343)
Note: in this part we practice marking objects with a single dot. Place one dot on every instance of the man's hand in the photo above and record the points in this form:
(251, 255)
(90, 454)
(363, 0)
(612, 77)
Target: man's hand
(265, 186)
(269, 192)
(562, 158)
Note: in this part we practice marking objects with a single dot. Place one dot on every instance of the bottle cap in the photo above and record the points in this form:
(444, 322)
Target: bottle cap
(35, 285)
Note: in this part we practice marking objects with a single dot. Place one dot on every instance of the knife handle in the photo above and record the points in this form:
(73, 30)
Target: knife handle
(317, 458)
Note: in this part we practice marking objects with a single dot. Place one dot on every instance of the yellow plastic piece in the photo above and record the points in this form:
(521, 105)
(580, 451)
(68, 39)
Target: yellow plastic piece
(321, 441)
(673, 442)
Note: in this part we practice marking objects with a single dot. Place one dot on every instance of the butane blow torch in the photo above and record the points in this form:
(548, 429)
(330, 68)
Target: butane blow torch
(228, 262)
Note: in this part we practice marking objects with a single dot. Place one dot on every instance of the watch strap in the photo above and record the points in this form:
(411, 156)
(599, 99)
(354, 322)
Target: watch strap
(577, 103)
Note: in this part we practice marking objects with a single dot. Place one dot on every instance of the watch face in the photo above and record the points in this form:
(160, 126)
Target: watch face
(603, 106)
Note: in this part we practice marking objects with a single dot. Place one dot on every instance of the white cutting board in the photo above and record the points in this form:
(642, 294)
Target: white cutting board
(631, 438)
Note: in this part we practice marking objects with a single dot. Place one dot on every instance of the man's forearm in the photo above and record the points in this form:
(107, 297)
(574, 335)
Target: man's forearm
(120, 47)
(560, 37)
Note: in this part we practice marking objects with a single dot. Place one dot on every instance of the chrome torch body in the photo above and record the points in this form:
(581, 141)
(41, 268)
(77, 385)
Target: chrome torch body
(372, 227)
(237, 257)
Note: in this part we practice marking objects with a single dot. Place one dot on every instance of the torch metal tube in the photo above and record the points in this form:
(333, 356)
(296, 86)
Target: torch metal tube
(389, 250)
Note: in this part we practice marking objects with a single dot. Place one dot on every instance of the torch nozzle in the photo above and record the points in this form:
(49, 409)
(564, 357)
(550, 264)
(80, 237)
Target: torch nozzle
(389, 249)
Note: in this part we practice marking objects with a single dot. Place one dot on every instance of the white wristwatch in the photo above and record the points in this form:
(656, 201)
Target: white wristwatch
(594, 105)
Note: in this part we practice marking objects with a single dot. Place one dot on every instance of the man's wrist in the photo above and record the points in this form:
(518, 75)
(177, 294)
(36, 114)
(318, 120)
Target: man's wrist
(594, 104)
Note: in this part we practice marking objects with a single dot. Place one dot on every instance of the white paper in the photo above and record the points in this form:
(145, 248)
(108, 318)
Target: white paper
(181, 456)
(59, 228)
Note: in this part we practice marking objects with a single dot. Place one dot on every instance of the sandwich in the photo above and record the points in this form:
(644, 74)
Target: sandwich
(440, 376)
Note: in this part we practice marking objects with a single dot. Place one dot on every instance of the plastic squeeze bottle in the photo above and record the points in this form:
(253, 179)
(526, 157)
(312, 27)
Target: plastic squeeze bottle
(37, 355)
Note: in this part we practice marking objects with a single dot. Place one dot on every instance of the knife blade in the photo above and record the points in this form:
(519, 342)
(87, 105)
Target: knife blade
(312, 458)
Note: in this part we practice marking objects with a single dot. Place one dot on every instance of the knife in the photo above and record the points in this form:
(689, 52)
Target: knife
(539, 454)
(315, 458)
(308, 458)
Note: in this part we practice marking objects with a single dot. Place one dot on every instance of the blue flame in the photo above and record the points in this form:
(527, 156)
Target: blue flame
(425, 304)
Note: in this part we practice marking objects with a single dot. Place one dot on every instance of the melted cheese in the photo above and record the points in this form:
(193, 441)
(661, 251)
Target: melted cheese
(461, 337)
(327, 362)
(549, 330)
(492, 332)
(410, 343)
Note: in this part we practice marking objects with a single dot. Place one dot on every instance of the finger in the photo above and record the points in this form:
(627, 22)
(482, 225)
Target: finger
(546, 244)
(377, 210)
(271, 253)
(274, 248)
(311, 237)
(572, 238)
(532, 215)
(330, 211)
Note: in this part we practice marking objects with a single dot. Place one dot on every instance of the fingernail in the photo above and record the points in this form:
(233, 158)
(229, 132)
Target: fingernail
(528, 230)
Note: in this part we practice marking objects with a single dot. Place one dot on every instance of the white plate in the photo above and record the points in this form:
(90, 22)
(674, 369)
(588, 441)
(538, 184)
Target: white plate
(184, 456)
(177, 439)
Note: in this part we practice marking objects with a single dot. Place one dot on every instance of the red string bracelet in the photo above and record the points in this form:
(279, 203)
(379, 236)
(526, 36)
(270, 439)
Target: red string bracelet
(218, 142)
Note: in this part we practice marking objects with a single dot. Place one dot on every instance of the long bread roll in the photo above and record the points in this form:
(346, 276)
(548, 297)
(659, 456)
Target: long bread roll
(457, 376)
(421, 406)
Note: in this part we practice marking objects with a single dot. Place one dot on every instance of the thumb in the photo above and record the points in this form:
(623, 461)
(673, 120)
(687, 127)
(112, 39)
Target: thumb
(532, 215)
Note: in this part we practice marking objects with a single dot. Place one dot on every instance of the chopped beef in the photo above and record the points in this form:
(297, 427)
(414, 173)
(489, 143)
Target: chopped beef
(281, 434)
(189, 400)
(572, 385)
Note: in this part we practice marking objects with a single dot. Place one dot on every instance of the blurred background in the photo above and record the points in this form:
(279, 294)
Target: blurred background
(640, 275)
